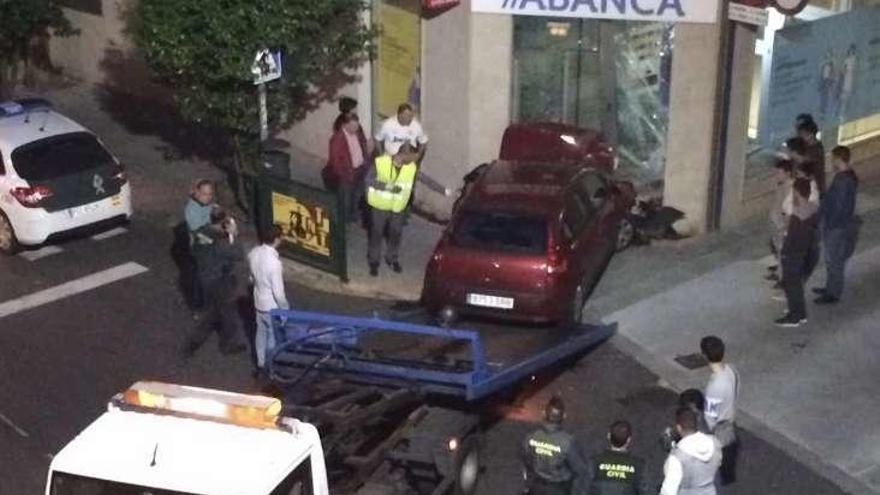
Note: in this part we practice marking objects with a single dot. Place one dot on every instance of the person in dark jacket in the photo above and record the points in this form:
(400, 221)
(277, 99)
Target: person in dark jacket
(800, 253)
(814, 152)
(217, 256)
(616, 471)
(838, 212)
(553, 462)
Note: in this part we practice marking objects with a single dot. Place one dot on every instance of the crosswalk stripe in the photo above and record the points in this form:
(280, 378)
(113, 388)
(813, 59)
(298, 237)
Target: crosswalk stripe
(110, 233)
(40, 253)
(67, 289)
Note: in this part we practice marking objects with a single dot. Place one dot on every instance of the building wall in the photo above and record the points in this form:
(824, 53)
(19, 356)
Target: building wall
(100, 41)
(689, 148)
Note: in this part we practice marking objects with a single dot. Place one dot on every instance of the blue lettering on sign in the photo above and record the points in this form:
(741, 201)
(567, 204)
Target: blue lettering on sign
(622, 7)
(540, 3)
(589, 3)
(638, 9)
(671, 4)
(620, 4)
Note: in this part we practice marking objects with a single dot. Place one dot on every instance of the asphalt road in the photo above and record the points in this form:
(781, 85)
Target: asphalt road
(67, 348)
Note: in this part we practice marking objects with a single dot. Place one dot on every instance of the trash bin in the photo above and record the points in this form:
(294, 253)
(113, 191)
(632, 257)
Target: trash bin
(276, 164)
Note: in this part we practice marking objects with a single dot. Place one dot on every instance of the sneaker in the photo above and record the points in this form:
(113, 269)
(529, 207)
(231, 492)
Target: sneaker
(826, 299)
(789, 321)
(819, 291)
(374, 269)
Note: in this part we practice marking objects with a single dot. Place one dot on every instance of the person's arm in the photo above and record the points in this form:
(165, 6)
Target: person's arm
(191, 215)
(277, 281)
(672, 475)
(339, 159)
(432, 184)
(370, 177)
(422, 141)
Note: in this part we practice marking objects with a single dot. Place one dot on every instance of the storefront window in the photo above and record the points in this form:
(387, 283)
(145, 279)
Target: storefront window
(606, 75)
(398, 65)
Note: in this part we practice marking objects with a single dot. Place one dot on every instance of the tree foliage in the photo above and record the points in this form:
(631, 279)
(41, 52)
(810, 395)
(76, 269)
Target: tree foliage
(23, 20)
(203, 50)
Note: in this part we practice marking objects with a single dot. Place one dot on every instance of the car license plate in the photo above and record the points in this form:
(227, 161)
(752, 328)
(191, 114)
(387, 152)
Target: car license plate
(83, 210)
(490, 301)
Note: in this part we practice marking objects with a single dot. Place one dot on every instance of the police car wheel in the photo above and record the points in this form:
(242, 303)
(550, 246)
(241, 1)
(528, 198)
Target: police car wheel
(8, 242)
(467, 468)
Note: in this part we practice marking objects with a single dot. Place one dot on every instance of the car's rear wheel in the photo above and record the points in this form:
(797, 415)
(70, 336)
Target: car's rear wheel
(8, 241)
(625, 234)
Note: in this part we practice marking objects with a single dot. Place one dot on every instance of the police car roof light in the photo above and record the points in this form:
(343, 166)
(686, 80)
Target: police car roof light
(23, 106)
(239, 409)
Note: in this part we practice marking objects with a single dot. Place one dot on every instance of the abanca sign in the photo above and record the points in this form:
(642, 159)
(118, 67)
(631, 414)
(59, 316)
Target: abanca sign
(703, 11)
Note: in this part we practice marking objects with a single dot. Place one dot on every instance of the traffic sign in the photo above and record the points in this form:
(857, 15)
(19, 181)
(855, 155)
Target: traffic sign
(266, 67)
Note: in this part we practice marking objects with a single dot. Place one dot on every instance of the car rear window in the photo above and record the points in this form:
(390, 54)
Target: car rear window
(58, 156)
(505, 232)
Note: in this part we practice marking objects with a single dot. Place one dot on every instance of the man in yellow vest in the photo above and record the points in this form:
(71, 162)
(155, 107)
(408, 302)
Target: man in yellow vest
(389, 185)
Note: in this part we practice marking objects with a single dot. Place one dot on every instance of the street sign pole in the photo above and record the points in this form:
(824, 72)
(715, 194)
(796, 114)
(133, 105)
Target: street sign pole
(264, 117)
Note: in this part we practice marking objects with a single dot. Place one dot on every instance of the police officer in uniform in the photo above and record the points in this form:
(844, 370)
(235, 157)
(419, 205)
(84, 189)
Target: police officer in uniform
(553, 463)
(616, 471)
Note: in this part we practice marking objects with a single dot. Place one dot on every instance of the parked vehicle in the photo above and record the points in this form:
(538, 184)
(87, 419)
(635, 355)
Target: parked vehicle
(558, 143)
(55, 176)
(528, 240)
(165, 439)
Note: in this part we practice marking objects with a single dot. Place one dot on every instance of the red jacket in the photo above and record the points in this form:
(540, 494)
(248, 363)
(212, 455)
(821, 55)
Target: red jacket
(339, 162)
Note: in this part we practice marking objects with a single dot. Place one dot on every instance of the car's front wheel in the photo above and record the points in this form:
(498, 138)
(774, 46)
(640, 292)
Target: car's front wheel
(8, 241)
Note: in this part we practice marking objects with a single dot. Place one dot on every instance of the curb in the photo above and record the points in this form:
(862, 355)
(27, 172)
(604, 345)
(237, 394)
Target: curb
(325, 282)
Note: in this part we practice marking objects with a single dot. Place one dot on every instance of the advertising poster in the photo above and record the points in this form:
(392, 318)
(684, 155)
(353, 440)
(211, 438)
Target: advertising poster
(829, 68)
(304, 225)
(399, 57)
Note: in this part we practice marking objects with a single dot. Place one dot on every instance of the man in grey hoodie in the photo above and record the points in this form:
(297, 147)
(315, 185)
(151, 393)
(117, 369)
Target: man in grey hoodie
(693, 463)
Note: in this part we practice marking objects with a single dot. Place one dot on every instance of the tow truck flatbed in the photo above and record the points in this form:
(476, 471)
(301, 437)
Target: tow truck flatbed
(401, 403)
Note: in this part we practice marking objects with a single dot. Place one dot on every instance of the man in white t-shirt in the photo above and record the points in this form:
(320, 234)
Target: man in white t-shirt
(401, 128)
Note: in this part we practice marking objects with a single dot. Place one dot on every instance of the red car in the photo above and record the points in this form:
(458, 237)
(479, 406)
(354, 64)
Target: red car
(528, 240)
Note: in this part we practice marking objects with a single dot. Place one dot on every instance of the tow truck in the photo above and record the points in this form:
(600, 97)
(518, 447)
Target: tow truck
(401, 406)
(364, 405)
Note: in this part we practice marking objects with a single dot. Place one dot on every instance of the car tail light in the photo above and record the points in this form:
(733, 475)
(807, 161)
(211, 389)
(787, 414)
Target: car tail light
(556, 261)
(31, 197)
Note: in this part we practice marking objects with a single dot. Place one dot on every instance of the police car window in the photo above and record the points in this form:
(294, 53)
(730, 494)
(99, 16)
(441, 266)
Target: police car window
(58, 156)
(71, 484)
(299, 482)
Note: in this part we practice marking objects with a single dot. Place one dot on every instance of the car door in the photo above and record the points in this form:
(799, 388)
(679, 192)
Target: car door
(596, 190)
(578, 228)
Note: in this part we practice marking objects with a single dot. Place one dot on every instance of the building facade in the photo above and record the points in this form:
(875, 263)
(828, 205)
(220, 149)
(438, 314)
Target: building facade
(685, 96)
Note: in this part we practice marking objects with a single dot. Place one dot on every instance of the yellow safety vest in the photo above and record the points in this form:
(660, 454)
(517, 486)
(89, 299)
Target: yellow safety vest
(387, 173)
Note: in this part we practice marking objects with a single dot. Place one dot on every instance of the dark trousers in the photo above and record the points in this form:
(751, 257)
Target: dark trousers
(221, 313)
(727, 471)
(353, 196)
(380, 222)
(537, 486)
(793, 279)
(836, 250)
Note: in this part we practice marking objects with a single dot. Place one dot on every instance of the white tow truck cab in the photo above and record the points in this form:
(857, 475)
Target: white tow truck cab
(162, 439)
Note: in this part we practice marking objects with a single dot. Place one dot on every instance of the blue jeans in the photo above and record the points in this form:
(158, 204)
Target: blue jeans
(836, 250)
(264, 340)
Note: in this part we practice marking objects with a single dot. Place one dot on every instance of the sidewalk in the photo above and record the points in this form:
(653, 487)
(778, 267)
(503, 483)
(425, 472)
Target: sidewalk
(812, 391)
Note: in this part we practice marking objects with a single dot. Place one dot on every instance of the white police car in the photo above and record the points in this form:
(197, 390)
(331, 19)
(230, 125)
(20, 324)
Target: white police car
(55, 176)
